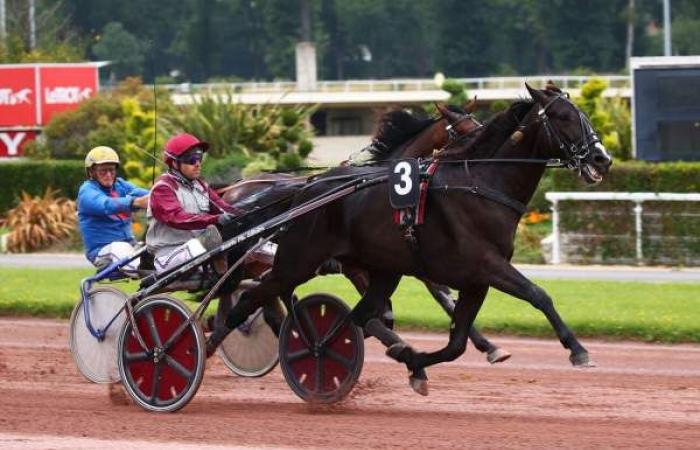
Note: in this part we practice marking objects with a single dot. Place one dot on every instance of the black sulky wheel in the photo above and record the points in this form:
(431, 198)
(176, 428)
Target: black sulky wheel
(321, 350)
(166, 375)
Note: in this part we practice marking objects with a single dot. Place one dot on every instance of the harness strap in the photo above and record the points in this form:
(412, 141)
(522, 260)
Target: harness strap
(489, 194)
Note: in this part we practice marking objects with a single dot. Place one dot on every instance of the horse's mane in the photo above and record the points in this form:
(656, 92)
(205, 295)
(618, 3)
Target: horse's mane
(396, 127)
(399, 125)
(497, 129)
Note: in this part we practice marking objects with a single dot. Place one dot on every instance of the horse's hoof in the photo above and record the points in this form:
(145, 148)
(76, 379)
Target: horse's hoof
(581, 360)
(497, 355)
(420, 385)
(398, 351)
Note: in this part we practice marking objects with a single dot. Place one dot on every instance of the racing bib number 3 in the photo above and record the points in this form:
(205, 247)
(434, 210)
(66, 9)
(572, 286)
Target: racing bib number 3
(404, 180)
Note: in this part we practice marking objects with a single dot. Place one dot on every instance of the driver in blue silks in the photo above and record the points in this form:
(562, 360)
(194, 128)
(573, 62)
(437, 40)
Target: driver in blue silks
(105, 203)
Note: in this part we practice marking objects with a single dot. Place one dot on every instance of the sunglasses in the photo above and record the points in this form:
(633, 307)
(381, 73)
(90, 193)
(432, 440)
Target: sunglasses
(106, 170)
(191, 159)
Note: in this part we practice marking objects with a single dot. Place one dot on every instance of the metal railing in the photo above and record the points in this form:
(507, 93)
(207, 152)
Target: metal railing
(637, 197)
(399, 84)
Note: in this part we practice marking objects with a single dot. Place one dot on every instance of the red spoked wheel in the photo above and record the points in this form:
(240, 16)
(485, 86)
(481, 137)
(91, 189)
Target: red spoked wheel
(165, 375)
(321, 350)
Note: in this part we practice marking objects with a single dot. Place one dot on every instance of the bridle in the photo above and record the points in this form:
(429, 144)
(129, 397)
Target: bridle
(454, 136)
(574, 152)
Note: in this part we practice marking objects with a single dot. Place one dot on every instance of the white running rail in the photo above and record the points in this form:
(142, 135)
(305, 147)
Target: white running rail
(399, 84)
(637, 197)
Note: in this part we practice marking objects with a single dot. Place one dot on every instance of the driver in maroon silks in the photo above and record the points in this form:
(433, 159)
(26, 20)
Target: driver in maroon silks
(182, 207)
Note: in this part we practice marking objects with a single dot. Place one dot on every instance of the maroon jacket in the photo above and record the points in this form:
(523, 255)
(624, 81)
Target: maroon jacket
(166, 207)
(179, 210)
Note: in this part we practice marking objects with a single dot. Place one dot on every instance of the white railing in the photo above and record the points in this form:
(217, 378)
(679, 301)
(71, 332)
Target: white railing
(400, 84)
(637, 197)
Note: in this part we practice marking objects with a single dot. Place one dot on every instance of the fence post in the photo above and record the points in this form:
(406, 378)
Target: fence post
(638, 229)
(556, 256)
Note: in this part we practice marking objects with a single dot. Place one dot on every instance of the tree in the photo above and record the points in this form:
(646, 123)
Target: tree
(587, 34)
(56, 40)
(122, 48)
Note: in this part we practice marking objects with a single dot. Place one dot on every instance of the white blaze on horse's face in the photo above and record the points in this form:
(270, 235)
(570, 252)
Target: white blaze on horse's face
(601, 148)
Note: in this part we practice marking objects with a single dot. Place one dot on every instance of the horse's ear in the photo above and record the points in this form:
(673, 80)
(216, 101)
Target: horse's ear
(470, 107)
(441, 109)
(536, 94)
(550, 86)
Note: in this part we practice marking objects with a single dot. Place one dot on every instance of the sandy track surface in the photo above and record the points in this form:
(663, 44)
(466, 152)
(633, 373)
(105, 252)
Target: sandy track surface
(639, 396)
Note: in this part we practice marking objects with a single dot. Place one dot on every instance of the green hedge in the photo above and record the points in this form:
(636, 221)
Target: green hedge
(604, 232)
(625, 176)
(630, 176)
(34, 176)
(637, 176)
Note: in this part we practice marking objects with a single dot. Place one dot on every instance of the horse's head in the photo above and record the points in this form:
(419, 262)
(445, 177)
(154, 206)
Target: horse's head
(401, 134)
(461, 123)
(569, 135)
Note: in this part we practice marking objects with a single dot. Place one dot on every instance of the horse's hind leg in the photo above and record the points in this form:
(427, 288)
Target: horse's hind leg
(360, 279)
(367, 315)
(270, 289)
(504, 277)
(466, 309)
(442, 295)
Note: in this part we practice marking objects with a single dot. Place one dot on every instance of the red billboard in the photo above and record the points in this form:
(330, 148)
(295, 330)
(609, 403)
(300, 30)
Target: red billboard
(30, 94)
(18, 102)
(62, 88)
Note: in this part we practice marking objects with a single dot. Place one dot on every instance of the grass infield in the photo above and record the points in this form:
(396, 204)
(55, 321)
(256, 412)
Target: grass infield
(663, 312)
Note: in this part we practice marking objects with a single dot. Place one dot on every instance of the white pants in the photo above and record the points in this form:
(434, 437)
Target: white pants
(185, 252)
(114, 252)
(193, 248)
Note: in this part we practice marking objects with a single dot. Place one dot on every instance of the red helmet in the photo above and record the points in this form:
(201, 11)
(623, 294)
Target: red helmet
(179, 144)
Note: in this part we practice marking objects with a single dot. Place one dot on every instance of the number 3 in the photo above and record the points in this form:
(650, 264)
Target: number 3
(406, 184)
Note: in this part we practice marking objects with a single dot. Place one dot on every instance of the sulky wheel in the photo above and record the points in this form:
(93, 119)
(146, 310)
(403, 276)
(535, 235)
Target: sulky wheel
(321, 350)
(165, 376)
(96, 357)
(251, 350)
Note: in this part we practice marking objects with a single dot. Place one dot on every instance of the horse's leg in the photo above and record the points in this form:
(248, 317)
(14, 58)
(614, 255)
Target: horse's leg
(222, 310)
(366, 315)
(360, 279)
(506, 278)
(295, 263)
(274, 315)
(444, 298)
(270, 289)
(466, 309)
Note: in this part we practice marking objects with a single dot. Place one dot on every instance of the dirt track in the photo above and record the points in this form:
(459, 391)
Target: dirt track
(639, 396)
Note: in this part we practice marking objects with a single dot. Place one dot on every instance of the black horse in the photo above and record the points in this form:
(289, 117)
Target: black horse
(399, 134)
(466, 241)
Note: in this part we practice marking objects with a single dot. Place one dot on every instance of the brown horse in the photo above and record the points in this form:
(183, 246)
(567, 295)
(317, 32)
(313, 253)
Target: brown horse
(400, 135)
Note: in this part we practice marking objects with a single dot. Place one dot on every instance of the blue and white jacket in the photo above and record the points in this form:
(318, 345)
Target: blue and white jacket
(105, 214)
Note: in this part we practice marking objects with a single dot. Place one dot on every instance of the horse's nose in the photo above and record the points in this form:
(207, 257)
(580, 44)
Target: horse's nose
(601, 157)
(602, 160)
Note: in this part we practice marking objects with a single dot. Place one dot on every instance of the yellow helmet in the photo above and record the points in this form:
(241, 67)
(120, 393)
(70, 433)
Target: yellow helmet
(101, 155)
